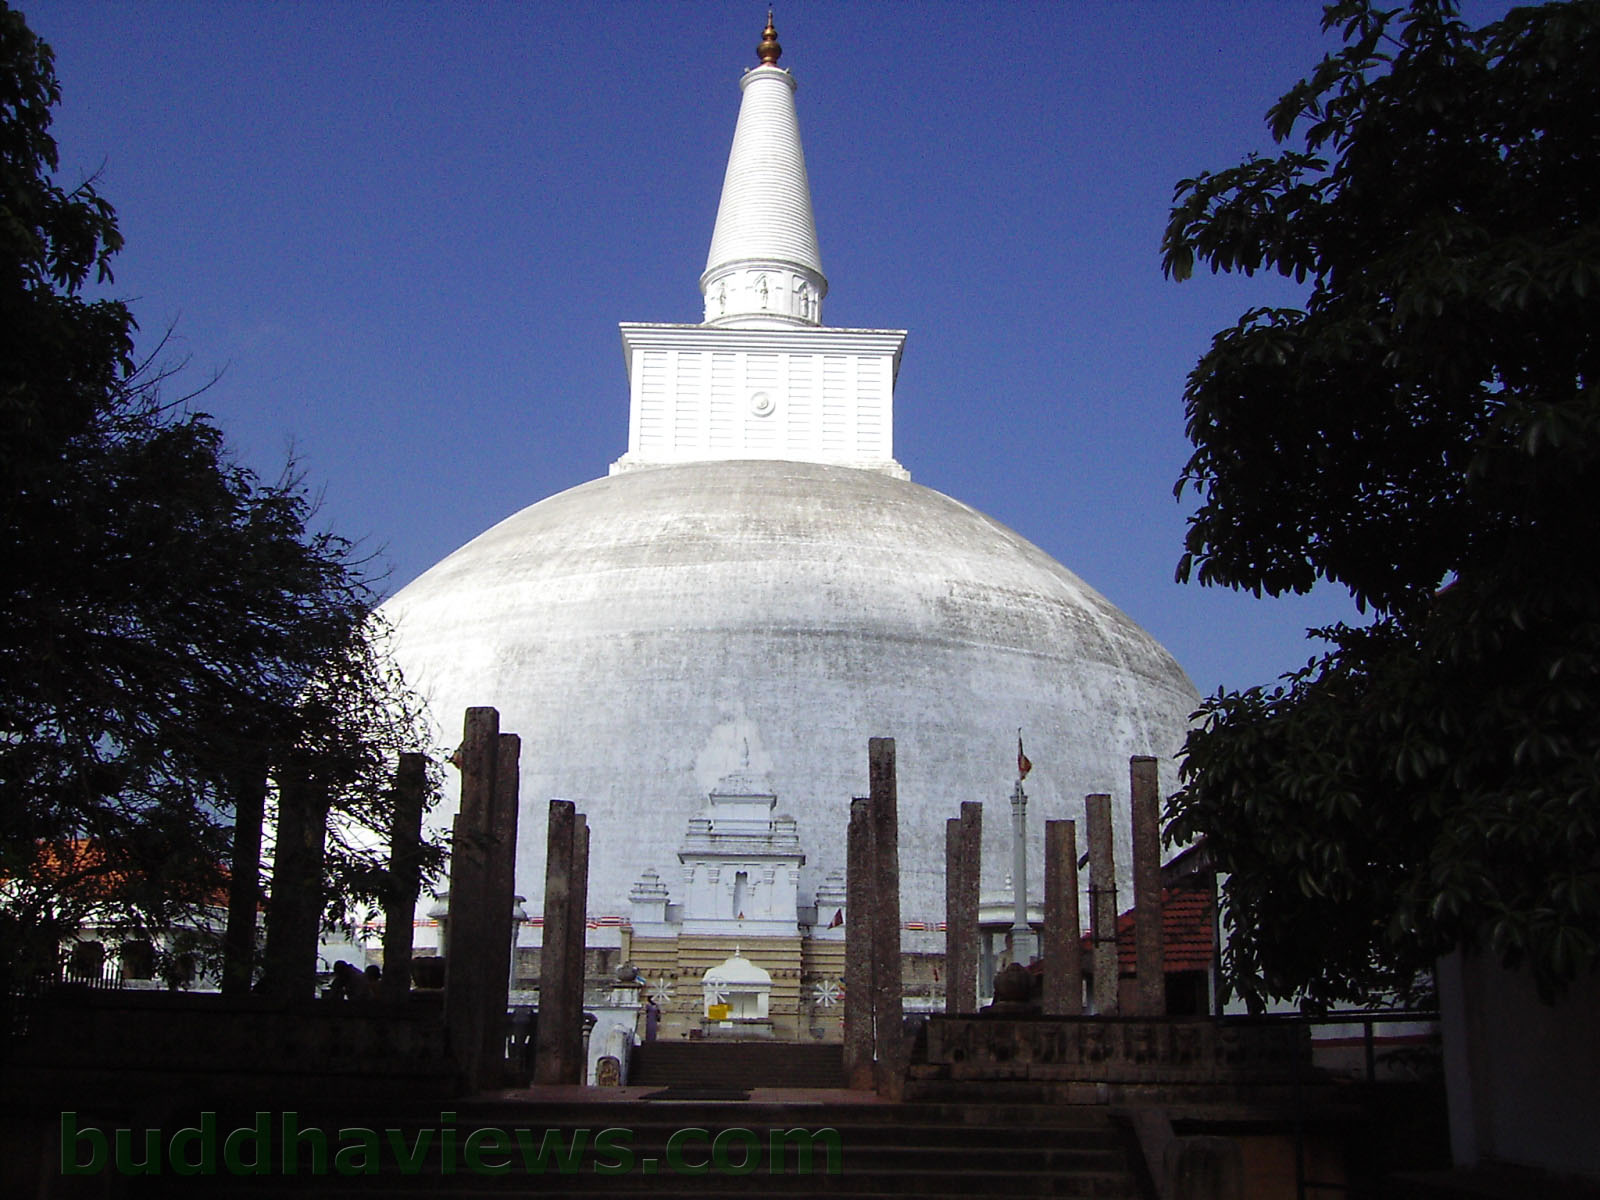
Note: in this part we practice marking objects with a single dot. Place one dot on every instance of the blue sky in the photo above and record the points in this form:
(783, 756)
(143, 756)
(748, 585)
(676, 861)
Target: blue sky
(404, 234)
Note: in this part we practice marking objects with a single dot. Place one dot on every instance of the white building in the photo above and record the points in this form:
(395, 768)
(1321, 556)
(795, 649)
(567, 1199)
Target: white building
(756, 589)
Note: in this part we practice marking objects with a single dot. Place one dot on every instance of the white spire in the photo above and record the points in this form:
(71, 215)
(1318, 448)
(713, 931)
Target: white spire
(764, 269)
(762, 377)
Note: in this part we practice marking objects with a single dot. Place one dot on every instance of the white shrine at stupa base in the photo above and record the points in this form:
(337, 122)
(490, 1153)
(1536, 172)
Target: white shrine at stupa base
(696, 647)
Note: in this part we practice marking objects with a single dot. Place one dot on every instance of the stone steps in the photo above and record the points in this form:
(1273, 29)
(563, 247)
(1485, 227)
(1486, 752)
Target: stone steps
(879, 1150)
(712, 1063)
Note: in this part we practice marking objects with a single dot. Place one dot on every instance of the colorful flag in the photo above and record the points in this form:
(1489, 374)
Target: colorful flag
(1023, 765)
(838, 919)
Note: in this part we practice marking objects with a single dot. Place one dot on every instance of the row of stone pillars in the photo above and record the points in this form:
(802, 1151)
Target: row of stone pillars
(481, 903)
(874, 1041)
(294, 920)
(482, 883)
(482, 899)
(1063, 969)
(482, 866)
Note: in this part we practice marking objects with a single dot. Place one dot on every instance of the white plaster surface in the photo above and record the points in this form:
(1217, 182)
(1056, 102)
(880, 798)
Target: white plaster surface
(1522, 1077)
(813, 395)
(764, 267)
(638, 629)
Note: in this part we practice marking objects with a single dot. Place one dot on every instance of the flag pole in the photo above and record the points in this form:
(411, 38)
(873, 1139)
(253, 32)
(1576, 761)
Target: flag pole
(1022, 940)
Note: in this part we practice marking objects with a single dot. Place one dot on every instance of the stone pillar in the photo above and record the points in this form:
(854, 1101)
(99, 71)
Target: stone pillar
(551, 1063)
(1203, 1168)
(499, 898)
(294, 917)
(858, 935)
(884, 815)
(1063, 948)
(1102, 904)
(963, 858)
(577, 934)
(405, 880)
(1149, 959)
(244, 880)
(469, 959)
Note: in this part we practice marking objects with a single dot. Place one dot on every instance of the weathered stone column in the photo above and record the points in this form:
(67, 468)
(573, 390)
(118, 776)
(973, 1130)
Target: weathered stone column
(1102, 904)
(294, 918)
(577, 934)
(405, 876)
(470, 955)
(405, 879)
(499, 897)
(887, 1007)
(1149, 958)
(1063, 948)
(244, 880)
(550, 1064)
(963, 858)
(858, 942)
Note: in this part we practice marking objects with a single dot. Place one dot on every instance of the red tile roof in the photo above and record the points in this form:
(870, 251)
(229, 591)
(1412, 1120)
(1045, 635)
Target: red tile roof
(79, 867)
(1187, 928)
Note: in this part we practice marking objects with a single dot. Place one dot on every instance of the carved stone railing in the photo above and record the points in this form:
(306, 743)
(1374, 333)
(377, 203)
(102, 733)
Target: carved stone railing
(1113, 1058)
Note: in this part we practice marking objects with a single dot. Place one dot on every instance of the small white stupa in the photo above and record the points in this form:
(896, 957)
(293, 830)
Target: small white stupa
(737, 996)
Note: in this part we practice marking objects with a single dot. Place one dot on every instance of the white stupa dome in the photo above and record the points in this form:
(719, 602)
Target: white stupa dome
(757, 589)
(644, 632)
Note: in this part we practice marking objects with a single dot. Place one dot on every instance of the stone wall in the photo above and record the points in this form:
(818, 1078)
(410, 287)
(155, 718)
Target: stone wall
(1096, 1059)
(207, 1044)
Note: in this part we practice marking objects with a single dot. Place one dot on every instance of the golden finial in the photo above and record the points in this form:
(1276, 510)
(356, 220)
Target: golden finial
(769, 50)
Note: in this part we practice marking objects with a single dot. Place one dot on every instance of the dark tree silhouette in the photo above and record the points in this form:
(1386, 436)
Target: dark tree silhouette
(1425, 432)
(169, 624)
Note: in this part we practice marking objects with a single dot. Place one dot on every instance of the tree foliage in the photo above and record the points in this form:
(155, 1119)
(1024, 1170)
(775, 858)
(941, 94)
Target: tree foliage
(1425, 432)
(169, 623)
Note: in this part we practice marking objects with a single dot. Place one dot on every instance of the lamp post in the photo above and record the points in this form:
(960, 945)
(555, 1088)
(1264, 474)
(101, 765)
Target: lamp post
(519, 917)
(439, 914)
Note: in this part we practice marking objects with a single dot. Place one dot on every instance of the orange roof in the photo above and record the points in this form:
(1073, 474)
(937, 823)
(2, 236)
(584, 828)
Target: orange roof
(78, 867)
(1187, 930)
